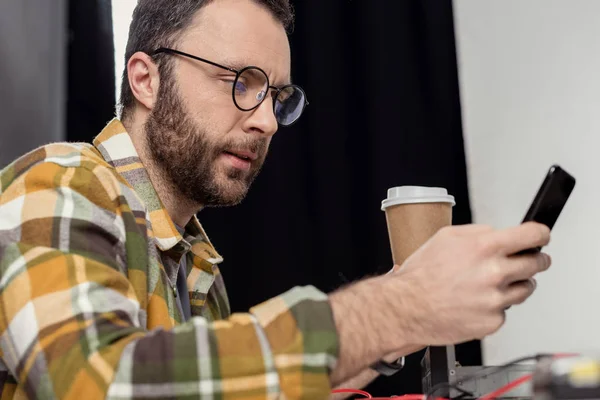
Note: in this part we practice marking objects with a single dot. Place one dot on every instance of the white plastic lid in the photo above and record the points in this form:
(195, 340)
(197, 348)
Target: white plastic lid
(416, 194)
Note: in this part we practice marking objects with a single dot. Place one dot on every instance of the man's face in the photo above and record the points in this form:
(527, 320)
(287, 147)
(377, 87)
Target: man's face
(210, 149)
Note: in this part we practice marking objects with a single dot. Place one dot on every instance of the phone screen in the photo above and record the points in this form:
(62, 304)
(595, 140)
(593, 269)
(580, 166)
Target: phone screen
(551, 198)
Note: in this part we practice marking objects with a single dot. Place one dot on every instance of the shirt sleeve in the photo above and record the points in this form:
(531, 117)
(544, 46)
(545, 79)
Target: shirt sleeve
(70, 317)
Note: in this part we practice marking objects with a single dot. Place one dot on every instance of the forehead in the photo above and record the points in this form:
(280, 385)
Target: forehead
(240, 33)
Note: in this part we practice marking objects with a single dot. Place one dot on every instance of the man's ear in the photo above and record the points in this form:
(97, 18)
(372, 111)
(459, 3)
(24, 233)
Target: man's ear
(144, 79)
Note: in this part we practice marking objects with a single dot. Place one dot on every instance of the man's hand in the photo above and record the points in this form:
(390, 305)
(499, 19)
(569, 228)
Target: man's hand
(453, 289)
(467, 276)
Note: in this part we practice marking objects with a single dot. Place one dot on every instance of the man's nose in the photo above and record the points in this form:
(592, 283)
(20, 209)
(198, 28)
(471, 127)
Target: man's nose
(262, 119)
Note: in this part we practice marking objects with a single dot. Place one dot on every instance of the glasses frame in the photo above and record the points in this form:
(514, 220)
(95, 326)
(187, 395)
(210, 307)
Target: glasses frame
(166, 50)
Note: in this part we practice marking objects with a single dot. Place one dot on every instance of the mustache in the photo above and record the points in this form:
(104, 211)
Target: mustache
(258, 146)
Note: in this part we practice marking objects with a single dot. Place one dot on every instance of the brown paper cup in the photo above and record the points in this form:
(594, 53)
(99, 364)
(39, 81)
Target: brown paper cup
(414, 214)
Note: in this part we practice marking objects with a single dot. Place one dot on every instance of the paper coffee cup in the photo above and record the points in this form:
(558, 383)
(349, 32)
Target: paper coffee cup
(414, 214)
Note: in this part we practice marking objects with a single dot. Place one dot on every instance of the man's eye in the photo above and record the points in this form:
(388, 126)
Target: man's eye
(240, 87)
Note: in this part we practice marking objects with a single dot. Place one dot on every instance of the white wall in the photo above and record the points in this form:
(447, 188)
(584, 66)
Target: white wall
(122, 11)
(530, 92)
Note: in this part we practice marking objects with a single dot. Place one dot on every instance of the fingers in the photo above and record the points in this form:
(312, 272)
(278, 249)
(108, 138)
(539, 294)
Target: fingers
(518, 292)
(472, 229)
(520, 268)
(522, 237)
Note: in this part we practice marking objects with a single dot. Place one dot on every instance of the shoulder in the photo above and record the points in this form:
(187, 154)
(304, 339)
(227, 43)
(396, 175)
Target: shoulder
(66, 155)
(75, 167)
(66, 196)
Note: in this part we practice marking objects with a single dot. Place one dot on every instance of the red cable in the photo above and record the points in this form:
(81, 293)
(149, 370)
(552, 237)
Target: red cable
(493, 395)
(354, 391)
(403, 397)
(517, 382)
(507, 388)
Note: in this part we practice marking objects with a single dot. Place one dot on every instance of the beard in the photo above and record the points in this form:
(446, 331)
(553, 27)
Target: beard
(183, 150)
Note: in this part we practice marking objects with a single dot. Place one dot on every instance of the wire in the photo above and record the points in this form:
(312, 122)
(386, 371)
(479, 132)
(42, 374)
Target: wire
(483, 373)
(507, 388)
(517, 382)
(403, 397)
(446, 385)
(354, 391)
(494, 370)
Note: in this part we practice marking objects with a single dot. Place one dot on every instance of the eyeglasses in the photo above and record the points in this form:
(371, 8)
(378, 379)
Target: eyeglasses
(250, 89)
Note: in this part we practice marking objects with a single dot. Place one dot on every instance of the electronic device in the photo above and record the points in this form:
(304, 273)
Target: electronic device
(569, 378)
(550, 199)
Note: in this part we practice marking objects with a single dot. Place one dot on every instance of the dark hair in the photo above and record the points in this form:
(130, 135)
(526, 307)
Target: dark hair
(160, 23)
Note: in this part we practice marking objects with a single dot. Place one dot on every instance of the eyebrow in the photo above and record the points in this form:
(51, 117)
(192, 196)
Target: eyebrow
(234, 64)
(238, 65)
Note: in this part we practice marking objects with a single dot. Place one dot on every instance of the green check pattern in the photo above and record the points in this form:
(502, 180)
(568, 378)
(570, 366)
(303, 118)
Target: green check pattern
(88, 263)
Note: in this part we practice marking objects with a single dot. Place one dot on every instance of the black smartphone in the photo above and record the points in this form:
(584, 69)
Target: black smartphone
(550, 199)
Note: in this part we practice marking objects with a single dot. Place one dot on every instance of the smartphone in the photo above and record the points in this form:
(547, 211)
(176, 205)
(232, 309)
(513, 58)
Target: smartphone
(550, 199)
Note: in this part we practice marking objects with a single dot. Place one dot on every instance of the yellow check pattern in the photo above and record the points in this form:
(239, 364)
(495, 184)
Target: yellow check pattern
(88, 262)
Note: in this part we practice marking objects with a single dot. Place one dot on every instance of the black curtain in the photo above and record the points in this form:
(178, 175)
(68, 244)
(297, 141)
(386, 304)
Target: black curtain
(91, 69)
(381, 78)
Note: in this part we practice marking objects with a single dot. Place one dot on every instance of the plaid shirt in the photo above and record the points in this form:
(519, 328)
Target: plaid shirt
(88, 266)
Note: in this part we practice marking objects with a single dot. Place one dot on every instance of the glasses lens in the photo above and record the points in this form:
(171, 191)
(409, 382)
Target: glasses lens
(250, 88)
(289, 104)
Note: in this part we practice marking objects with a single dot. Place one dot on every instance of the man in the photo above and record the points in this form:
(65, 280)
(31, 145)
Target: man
(110, 288)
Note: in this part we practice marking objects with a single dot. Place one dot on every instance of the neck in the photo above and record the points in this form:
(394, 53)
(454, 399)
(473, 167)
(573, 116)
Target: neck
(180, 209)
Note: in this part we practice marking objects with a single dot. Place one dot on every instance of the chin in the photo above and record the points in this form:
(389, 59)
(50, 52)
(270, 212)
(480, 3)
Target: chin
(227, 200)
(230, 192)
(236, 192)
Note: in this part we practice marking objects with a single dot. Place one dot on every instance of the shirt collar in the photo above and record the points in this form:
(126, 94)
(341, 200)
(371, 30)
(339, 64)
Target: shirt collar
(115, 145)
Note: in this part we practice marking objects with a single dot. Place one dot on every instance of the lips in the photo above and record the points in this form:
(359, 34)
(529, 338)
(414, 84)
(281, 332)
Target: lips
(240, 159)
(243, 154)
